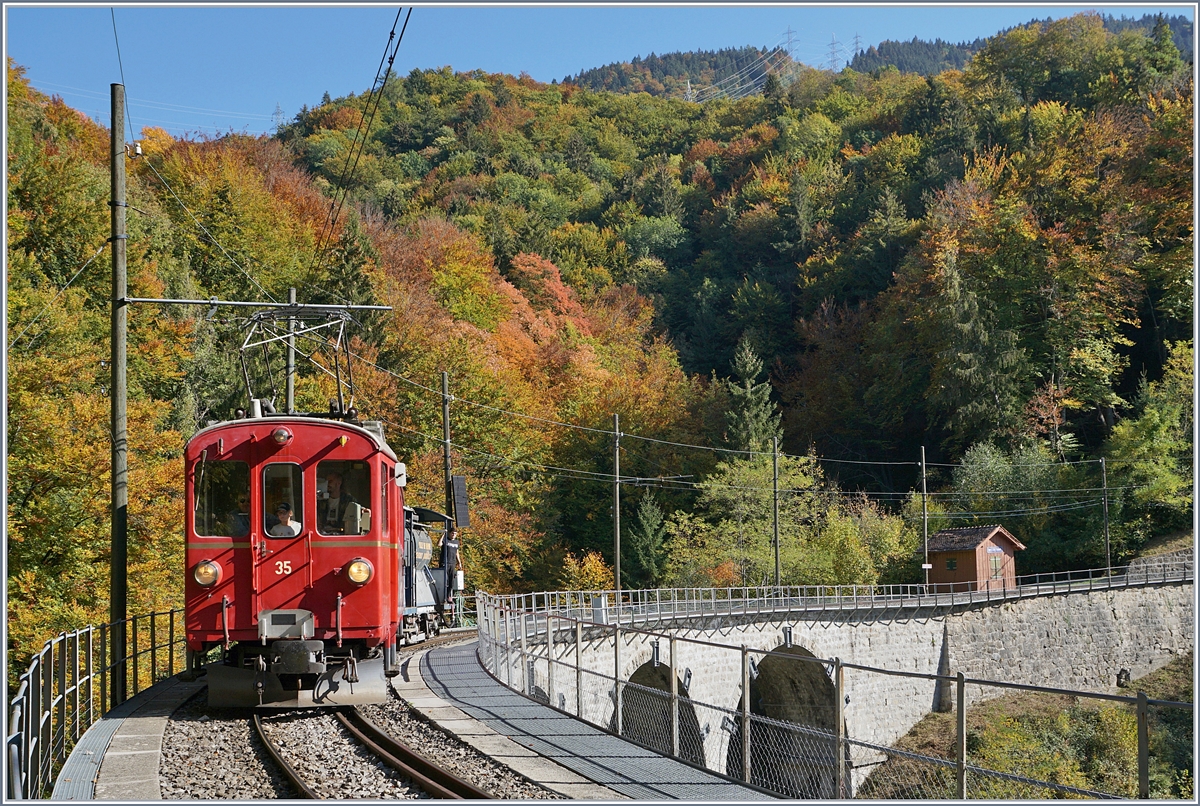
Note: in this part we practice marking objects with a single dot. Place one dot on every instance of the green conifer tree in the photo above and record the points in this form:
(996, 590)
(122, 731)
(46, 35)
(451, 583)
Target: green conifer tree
(753, 419)
(645, 543)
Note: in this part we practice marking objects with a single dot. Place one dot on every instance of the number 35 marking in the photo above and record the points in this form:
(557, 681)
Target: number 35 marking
(283, 567)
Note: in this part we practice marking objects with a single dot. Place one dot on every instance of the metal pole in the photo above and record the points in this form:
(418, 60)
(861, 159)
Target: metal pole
(291, 357)
(618, 700)
(579, 669)
(446, 443)
(551, 628)
(839, 716)
(1107, 551)
(617, 511)
(925, 516)
(60, 711)
(775, 500)
(745, 713)
(494, 623)
(961, 744)
(1143, 735)
(527, 681)
(674, 701)
(118, 573)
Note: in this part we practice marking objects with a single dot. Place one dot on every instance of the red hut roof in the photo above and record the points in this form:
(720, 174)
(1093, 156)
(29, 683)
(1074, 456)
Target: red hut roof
(968, 538)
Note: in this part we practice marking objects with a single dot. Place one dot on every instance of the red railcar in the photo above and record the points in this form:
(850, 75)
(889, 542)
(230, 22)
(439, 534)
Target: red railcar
(295, 531)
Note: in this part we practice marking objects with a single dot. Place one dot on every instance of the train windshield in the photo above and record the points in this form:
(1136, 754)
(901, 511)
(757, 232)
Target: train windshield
(283, 500)
(343, 498)
(222, 498)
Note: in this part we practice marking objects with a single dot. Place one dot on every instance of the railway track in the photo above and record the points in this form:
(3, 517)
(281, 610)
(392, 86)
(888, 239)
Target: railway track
(293, 778)
(436, 782)
(419, 771)
(443, 638)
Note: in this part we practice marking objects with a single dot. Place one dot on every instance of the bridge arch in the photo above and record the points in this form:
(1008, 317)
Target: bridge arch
(646, 713)
(793, 742)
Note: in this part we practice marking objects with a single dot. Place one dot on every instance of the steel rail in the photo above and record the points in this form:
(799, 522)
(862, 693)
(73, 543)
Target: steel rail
(443, 638)
(435, 781)
(289, 772)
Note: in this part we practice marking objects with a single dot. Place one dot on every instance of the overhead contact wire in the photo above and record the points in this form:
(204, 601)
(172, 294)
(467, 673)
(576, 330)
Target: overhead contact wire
(347, 170)
(211, 237)
(712, 448)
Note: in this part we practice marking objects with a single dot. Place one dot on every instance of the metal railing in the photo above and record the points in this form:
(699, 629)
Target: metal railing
(565, 649)
(66, 690)
(647, 607)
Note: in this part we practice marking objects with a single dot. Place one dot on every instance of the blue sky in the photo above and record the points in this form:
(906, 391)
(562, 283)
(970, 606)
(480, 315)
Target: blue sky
(216, 68)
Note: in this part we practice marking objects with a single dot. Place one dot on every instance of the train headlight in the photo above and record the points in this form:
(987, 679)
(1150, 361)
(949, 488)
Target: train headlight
(282, 436)
(207, 573)
(360, 571)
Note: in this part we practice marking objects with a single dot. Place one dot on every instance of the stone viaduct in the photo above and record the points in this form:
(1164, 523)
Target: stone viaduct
(1071, 638)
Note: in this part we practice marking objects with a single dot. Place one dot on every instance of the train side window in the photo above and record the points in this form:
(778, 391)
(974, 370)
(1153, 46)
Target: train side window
(283, 499)
(222, 491)
(343, 497)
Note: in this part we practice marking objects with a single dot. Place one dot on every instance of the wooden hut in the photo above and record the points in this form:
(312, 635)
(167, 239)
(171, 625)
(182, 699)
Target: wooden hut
(974, 558)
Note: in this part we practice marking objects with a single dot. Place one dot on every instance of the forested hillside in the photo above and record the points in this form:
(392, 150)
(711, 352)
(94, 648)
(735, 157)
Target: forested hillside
(917, 56)
(993, 263)
(931, 58)
(669, 75)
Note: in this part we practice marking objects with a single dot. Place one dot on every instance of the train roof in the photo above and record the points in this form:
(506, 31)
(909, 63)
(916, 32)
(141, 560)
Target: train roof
(371, 429)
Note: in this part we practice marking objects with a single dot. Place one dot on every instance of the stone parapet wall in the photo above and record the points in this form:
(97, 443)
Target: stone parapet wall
(1075, 641)
(1157, 562)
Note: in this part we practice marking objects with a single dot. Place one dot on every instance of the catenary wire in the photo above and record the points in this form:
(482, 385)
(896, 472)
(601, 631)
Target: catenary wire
(129, 120)
(211, 237)
(577, 474)
(121, 65)
(625, 435)
(348, 170)
(56, 296)
(152, 104)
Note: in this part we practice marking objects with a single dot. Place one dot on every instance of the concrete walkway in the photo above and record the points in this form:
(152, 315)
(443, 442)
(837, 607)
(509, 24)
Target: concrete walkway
(117, 759)
(453, 676)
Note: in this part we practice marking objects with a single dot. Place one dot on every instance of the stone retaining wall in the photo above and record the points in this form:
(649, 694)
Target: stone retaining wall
(1077, 640)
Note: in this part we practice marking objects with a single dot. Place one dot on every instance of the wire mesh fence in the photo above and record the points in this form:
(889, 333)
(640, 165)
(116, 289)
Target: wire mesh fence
(887, 773)
(781, 720)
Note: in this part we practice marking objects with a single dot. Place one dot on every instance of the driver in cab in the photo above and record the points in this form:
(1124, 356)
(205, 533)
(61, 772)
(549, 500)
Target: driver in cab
(331, 510)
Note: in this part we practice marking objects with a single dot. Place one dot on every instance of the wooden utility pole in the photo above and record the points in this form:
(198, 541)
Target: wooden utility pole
(119, 555)
(291, 357)
(1107, 550)
(617, 508)
(775, 500)
(925, 517)
(446, 445)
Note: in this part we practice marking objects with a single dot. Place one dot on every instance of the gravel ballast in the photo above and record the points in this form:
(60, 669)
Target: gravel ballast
(214, 754)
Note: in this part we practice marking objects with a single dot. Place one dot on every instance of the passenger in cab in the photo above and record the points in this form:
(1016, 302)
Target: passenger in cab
(286, 526)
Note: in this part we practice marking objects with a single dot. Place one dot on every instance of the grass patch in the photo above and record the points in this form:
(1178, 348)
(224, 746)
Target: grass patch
(1073, 741)
(1165, 544)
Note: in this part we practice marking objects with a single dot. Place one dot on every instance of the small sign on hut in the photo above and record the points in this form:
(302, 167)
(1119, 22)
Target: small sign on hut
(974, 558)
